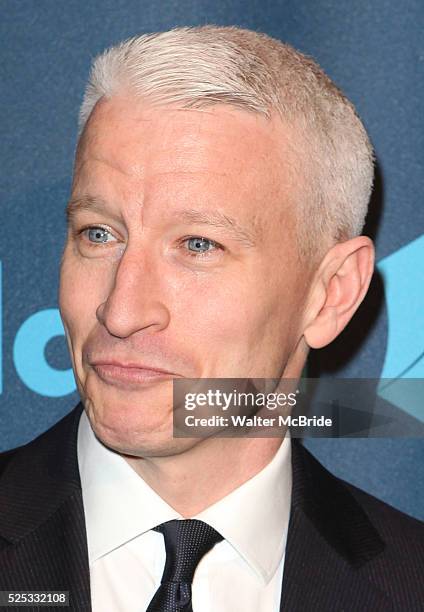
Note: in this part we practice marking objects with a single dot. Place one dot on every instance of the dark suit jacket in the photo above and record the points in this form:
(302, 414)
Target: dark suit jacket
(346, 551)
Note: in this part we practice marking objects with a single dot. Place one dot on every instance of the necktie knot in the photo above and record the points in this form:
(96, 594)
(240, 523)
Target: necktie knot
(186, 542)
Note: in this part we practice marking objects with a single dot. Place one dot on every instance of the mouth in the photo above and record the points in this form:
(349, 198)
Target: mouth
(130, 376)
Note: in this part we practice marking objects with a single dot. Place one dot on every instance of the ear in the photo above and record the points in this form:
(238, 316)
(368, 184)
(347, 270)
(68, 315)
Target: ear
(338, 288)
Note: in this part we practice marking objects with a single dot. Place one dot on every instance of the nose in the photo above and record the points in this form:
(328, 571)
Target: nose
(135, 300)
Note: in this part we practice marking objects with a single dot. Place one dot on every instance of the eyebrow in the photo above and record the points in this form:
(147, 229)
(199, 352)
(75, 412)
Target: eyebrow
(90, 203)
(247, 236)
(220, 220)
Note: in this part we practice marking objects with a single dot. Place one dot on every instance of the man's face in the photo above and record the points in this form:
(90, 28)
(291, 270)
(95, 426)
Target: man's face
(180, 257)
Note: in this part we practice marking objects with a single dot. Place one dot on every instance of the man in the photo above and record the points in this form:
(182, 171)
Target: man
(220, 186)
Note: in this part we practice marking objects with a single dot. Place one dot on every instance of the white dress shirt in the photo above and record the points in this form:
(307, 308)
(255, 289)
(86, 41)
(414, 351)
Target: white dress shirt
(242, 573)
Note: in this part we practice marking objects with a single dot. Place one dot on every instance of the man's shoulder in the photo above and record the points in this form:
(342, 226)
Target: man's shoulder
(395, 527)
(6, 457)
(380, 510)
(43, 543)
(397, 569)
(402, 534)
(399, 563)
(54, 448)
(373, 550)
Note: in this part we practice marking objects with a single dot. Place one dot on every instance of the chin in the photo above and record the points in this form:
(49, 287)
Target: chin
(123, 422)
(141, 444)
(137, 436)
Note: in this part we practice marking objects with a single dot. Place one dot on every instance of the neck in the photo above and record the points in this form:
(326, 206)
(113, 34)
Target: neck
(199, 477)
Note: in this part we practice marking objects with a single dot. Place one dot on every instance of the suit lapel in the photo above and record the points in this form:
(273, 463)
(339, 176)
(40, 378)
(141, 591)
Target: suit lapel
(43, 543)
(330, 539)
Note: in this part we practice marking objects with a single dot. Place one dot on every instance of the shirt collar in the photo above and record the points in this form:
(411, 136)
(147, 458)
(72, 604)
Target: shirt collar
(254, 517)
(119, 505)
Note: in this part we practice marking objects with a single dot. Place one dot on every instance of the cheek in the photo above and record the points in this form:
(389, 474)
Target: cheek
(207, 307)
(81, 291)
(249, 318)
(222, 315)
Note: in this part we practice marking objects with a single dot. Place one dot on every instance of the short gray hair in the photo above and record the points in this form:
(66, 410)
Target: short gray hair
(195, 67)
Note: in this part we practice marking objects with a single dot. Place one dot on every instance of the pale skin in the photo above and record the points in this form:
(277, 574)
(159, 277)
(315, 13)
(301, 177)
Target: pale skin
(138, 292)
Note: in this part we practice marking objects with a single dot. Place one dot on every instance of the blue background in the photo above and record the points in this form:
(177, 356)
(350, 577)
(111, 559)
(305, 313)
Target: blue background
(372, 50)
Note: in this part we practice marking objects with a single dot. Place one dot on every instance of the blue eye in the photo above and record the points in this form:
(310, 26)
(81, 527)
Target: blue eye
(200, 245)
(98, 235)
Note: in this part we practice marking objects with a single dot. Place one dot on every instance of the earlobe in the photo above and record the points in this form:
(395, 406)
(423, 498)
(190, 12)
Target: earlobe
(341, 283)
(323, 330)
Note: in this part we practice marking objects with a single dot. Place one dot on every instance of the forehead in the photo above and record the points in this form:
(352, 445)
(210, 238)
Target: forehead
(121, 122)
(225, 152)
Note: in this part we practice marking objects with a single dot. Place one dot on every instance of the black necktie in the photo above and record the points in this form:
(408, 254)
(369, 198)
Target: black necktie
(186, 542)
